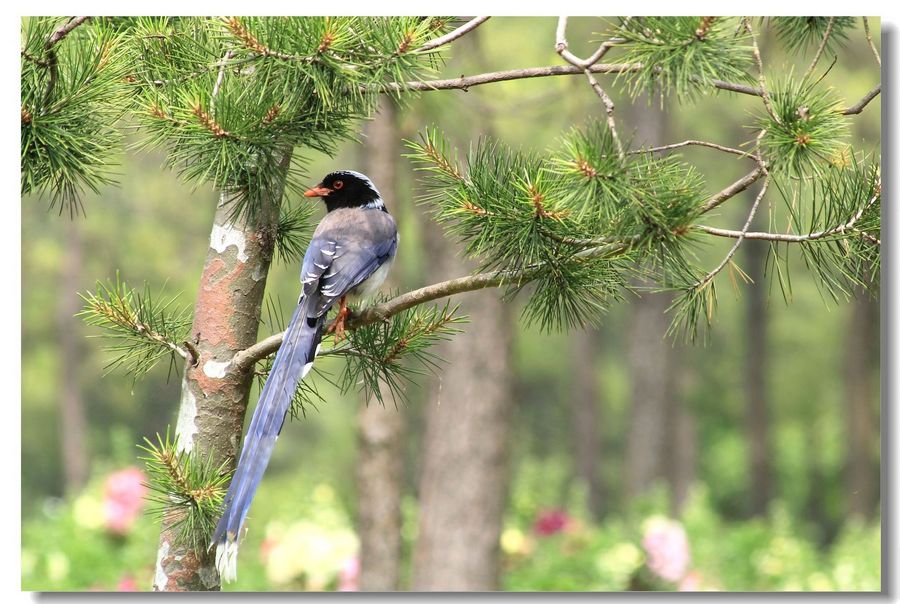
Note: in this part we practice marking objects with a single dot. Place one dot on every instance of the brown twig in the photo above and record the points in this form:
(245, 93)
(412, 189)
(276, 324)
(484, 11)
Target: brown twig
(821, 49)
(869, 39)
(767, 101)
(51, 60)
(698, 143)
(466, 82)
(857, 108)
(741, 236)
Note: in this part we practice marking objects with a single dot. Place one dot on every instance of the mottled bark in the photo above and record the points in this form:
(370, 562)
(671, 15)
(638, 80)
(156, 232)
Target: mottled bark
(586, 418)
(464, 479)
(861, 408)
(379, 484)
(381, 428)
(214, 398)
(755, 382)
(72, 415)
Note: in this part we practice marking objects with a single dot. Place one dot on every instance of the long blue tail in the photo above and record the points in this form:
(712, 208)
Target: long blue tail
(292, 362)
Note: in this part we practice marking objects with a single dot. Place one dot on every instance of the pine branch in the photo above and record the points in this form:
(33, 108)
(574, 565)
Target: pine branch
(142, 330)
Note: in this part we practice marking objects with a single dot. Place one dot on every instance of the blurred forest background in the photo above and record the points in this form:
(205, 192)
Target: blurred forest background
(622, 459)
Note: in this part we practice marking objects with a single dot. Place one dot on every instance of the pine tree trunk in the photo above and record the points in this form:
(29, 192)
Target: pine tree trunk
(862, 470)
(586, 418)
(72, 416)
(214, 398)
(755, 372)
(463, 484)
(381, 428)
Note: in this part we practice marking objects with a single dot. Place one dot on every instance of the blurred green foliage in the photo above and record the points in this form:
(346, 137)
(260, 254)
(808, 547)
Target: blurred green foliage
(308, 543)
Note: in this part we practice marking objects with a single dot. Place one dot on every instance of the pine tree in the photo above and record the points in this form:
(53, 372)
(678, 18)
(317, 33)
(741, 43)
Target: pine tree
(236, 102)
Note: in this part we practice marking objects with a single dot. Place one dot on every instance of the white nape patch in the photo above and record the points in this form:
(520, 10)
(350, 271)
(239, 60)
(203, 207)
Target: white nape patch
(226, 560)
(224, 236)
(375, 204)
(186, 427)
(216, 369)
(160, 579)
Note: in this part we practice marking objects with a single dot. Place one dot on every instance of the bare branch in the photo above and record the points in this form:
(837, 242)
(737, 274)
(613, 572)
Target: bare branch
(741, 236)
(699, 143)
(840, 229)
(762, 78)
(453, 35)
(466, 82)
(857, 108)
(821, 49)
(562, 50)
(869, 39)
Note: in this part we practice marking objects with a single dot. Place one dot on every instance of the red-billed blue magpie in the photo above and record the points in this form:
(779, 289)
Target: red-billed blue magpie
(350, 254)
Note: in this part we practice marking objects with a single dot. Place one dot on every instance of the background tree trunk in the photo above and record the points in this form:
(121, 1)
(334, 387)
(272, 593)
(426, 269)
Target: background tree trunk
(650, 356)
(214, 398)
(75, 458)
(381, 428)
(680, 456)
(862, 471)
(586, 417)
(755, 374)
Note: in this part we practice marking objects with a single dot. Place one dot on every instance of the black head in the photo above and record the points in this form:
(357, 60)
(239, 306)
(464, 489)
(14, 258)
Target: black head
(347, 189)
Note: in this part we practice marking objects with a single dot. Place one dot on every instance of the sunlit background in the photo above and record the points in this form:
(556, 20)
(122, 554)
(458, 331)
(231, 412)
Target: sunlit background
(614, 482)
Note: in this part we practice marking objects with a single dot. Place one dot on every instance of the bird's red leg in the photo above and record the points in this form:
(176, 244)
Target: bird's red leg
(338, 325)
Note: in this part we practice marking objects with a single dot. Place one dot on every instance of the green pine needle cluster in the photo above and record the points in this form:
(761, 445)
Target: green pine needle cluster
(683, 56)
(142, 329)
(798, 34)
(572, 219)
(809, 131)
(229, 97)
(187, 490)
(73, 94)
(391, 353)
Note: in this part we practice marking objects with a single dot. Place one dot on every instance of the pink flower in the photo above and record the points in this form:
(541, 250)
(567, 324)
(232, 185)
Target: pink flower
(692, 581)
(123, 499)
(349, 576)
(550, 522)
(127, 583)
(665, 542)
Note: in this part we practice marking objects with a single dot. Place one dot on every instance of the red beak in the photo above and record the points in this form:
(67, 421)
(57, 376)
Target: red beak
(318, 191)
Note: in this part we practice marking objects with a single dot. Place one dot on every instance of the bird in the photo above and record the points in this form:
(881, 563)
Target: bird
(349, 256)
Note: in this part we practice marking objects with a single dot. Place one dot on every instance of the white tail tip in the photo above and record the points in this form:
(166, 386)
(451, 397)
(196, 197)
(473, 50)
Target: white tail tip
(226, 560)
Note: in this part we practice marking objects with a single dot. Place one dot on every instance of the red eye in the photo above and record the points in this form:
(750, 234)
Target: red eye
(338, 184)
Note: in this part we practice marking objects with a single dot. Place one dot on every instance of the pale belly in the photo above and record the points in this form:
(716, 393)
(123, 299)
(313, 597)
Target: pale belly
(370, 286)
